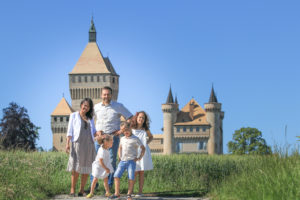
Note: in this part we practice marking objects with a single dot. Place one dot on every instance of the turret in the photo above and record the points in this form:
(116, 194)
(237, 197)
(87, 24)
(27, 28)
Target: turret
(214, 117)
(92, 32)
(170, 110)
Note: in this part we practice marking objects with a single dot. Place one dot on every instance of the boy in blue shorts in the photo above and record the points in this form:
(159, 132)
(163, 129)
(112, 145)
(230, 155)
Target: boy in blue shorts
(128, 155)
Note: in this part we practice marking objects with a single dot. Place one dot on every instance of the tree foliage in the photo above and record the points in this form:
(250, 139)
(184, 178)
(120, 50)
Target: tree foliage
(248, 141)
(16, 129)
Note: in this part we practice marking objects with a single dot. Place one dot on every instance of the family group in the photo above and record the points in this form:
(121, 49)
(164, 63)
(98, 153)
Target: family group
(93, 148)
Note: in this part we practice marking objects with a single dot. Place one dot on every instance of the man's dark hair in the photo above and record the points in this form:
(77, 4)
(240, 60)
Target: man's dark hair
(107, 88)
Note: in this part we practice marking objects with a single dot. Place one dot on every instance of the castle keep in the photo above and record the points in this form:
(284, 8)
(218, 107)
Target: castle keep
(91, 73)
(189, 130)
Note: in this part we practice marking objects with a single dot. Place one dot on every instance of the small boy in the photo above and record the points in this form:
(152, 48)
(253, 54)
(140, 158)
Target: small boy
(128, 152)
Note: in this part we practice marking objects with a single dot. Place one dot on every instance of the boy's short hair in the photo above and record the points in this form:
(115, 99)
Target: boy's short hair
(126, 125)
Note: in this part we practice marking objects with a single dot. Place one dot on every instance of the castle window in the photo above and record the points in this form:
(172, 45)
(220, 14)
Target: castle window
(184, 129)
(92, 78)
(104, 78)
(178, 129)
(85, 79)
(200, 145)
(204, 145)
(203, 129)
(113, 79)
(55, 119)
(61, 119)
(191, 129)
(197, 129)
(61, 139)
(67, 119)
(179, 147)
(73, 79)
(98, 78)
(79, 79)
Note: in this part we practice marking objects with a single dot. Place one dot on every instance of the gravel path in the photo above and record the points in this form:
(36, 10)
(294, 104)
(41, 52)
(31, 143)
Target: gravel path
(60, 197)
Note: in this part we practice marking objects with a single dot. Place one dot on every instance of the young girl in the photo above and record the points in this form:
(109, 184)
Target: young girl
(140, 128)
(102, 164)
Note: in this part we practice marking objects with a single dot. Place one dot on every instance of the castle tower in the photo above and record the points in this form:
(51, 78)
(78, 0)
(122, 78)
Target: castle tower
(59, 124)
(91, 73)
(170, 110)
(214, 116)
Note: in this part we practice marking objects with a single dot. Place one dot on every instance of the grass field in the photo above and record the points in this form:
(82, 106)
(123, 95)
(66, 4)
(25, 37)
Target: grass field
(42, 175)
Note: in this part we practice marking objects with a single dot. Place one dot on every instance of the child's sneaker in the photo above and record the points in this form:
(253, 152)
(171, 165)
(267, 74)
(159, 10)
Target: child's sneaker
(90, 195)
(138, 195)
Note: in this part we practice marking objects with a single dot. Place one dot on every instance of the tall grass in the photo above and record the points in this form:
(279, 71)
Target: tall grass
(41, 175)
(264, 177)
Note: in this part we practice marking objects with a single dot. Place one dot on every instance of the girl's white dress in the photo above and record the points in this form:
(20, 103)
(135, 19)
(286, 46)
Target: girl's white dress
(146, 162)
(97, 170)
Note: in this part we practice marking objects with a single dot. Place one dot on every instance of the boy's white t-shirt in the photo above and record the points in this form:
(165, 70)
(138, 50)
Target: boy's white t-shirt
(130, 147)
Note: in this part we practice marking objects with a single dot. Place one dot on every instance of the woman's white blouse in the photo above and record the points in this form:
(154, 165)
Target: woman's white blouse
(75, 125)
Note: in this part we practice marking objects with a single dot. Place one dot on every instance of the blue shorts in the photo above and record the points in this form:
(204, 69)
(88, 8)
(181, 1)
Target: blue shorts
(123, 165)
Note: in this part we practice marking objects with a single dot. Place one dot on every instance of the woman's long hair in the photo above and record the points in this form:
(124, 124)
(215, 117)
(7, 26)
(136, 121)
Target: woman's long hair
(146, 124)
(90, 113)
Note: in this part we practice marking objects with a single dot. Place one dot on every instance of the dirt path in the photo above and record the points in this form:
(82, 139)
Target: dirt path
(60, 197)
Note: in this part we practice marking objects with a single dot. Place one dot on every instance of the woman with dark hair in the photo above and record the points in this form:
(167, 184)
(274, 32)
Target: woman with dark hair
(140, 125)
(81, 133)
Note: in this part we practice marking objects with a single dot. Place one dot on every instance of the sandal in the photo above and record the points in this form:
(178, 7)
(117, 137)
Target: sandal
(129, 197)
(107, 194)
(71, 195)
(80, 194)
(90, 195)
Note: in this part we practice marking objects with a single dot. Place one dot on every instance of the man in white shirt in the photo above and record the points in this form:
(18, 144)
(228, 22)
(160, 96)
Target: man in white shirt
(108, 115)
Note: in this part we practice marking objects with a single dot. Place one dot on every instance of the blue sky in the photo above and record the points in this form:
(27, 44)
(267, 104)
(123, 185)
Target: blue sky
(249, 50)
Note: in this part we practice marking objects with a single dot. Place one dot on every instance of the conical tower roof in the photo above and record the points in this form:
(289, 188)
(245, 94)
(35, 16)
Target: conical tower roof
(63, 108)
(213, 98)
(91, 60)
(170, 97)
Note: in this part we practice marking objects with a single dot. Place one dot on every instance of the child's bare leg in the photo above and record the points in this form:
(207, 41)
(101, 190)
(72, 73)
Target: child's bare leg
(95, 180)
(106, 187)
(74, 179)
(141, 181)
(117, 186)
(135, 175)
(130, 186)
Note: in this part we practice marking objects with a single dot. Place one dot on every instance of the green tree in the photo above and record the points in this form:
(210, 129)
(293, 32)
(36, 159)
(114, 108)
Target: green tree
(16, 129)
(248, 141)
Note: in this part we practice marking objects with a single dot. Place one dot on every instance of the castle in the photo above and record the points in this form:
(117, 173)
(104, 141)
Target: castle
(189, 130)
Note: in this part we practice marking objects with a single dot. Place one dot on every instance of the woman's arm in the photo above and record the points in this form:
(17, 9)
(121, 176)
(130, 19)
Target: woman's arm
(150, 136)
(69, 133)
(68, 144)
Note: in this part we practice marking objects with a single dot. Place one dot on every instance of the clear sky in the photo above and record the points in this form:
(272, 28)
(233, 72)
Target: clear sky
(249, 50)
